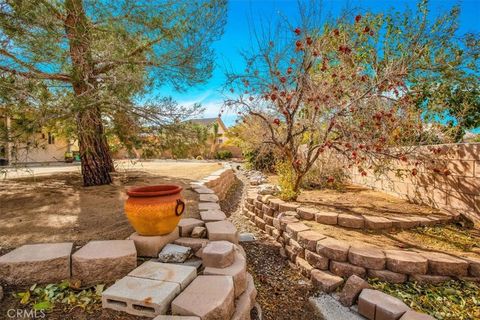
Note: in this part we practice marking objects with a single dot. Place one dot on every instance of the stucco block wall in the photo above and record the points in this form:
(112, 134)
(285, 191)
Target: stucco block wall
(457, 192)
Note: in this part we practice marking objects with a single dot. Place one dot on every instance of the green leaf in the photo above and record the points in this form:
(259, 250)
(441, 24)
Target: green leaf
(42, 305)
(25, 297)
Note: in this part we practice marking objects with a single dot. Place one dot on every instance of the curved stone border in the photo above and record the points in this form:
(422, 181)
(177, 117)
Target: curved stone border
(354, 221)
(311, 250)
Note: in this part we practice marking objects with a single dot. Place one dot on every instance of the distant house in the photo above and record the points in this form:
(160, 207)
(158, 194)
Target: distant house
(214, 125)
(40, 146)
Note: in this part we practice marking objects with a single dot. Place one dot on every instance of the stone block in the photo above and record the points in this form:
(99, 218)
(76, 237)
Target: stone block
(208, 198)
(246, 237)
(212, 215)
(351, 290)
(377, 223)
(36, 263)
(104, 261)
(199, 232)
(206, 206)
(218, 254)
(251, 291)
(222, 230)
(403, 222)
(268, 220)
(351, 221)
(326, 217)
(286, 206)
(203, 190)
(176, 273)
(317, 261)
(208, 297)
(237, 270)
(376, 305)
(242, 308)
(308, 239)
(150, 246)
(260, 223)
(186, 226)
(406, 262)
(326, 281)
(474, 264)
(387, 275)
(292, 229)
(275, 203)
(304, 266)
(427, 278)
(367, 256)
(442, 264)
(333, 249)
(174, 253)
(413, 315)
(196, 244)
(307, 213)
(345, 269)
(140, 297)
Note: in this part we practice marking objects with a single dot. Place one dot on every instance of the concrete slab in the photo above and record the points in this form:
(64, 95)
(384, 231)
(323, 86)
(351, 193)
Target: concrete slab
(212, 215)
(208, 297)
(208, 198)
(174, 253)
(141, 297)
(170, 272)
(150, 246)
(222, 230)
(36, 263)
(203, 206)
(104, 261)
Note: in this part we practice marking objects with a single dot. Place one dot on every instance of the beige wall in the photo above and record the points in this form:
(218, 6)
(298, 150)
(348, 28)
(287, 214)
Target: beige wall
(458, 192)
(42, 151)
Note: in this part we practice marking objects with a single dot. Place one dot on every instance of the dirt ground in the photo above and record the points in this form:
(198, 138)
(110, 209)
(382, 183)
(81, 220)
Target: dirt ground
(56, 207)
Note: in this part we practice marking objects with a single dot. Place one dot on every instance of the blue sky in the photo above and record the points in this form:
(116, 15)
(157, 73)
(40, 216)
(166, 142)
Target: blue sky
(242, 12)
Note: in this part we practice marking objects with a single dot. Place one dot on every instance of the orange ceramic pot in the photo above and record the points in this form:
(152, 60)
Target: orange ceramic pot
(154, 210)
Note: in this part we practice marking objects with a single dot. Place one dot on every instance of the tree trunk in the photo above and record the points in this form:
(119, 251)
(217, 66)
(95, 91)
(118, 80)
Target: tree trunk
(94, 151)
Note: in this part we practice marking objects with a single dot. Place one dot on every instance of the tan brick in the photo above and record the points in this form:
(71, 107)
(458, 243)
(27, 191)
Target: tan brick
(350, 292)
(326, 217)
(304, 266)
(374, 304)
(333, 249)
(293, 229)
(351, 221)
(367, 256)
(308, 239)
(316, 260)
(345, 269)
(445, 265)
(406, 262)
(377, 223)
(326, 281)
(428, 278)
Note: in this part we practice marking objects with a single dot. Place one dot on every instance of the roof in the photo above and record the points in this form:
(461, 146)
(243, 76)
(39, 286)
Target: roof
(208, 121)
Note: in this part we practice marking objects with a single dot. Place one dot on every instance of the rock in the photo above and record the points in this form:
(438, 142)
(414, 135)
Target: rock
(326, 281)
(140, 297)
(212, 215)
(426, 278)
(180, 274)
(374, 304)
(292, 229)
(246, 237)
(208, 198)
(275, 203)
(174, 253)
(326, 217)
(308, 239)
(196, 244)
(345, 269)
(377, 223)
(104, 261)
(284, 220)
(268, 189)
(218, 254)
(304, 266)
(287, 206)
(442, 264)
(307, 213)
(367, 256)
(351, 221)
(199, 232)
(36, 263)
(186, 226)
(351, 290)
(208, 297)
(237, 270)
(150, 246)
(406, 262)
(388, 276)
(316, 260)
(333, 249)
(413, 315)
(222, 230)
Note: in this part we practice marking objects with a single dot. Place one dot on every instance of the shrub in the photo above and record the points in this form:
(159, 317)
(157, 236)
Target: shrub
(327, 172)
(223, 154)
(199, 158)
(260, 160)
(286, 180)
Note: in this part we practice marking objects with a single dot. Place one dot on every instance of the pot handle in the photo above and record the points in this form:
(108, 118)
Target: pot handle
(181, 204)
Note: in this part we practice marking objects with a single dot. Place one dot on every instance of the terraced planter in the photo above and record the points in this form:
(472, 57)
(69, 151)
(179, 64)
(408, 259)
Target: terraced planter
(154, 210)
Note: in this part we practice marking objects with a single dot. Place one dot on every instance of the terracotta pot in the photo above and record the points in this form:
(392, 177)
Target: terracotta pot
(154, 210)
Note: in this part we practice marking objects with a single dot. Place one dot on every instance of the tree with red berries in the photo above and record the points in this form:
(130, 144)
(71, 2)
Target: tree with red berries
(346, 86)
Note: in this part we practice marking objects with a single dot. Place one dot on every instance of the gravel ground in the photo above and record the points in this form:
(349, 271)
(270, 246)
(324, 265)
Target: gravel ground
(282, 292)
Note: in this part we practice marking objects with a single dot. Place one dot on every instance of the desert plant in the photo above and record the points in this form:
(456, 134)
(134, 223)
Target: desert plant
(223, 155)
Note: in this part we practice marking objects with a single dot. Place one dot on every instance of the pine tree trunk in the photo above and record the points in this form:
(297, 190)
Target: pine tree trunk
(94, 151)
